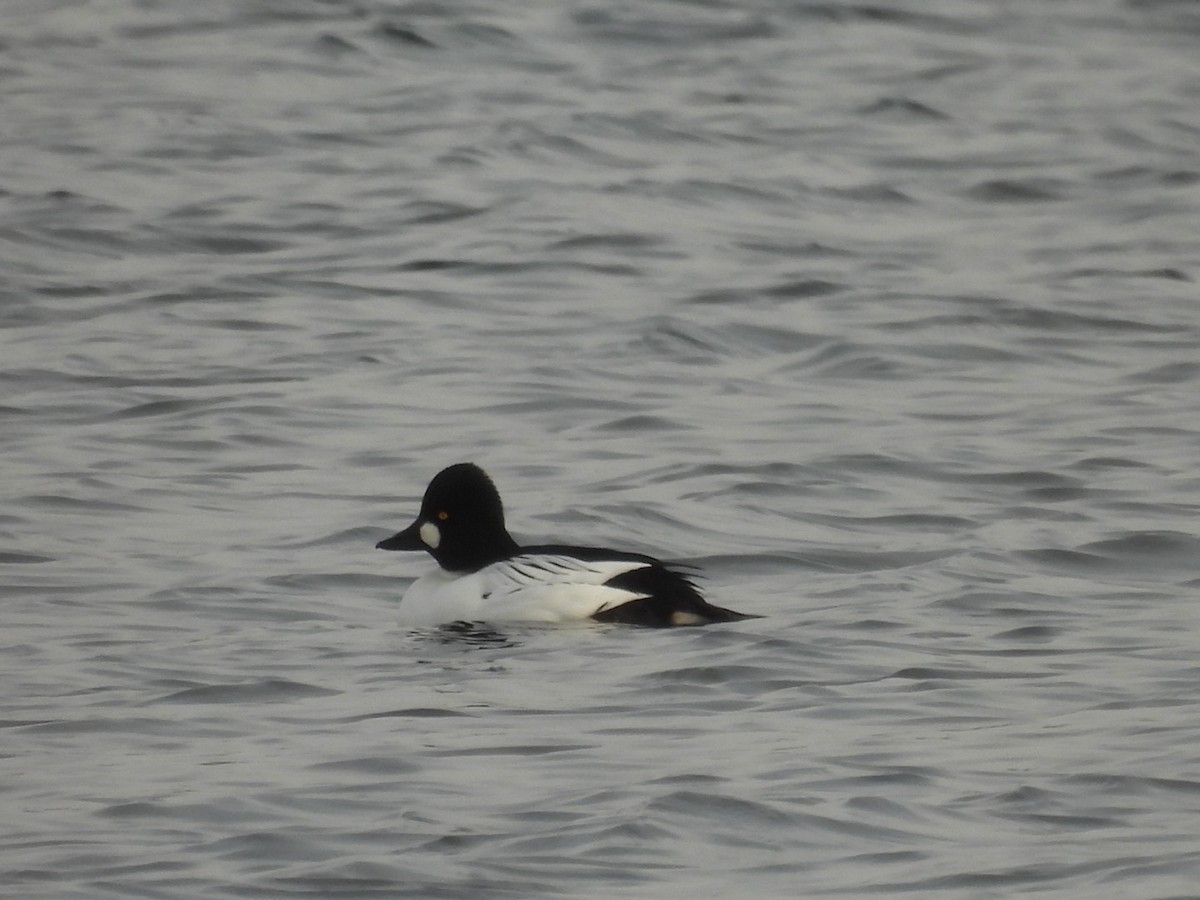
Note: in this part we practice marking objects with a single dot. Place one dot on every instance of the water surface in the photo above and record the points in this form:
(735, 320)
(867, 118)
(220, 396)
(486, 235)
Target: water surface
(885, 316)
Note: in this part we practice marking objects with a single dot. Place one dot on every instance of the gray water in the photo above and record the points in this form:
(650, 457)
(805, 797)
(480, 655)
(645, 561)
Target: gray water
(886, 316)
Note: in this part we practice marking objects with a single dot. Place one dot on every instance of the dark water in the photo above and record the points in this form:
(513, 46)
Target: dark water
(884, 315)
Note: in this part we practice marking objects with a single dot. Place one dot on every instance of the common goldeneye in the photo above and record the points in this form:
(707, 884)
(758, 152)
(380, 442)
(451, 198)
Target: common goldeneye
(483, 575)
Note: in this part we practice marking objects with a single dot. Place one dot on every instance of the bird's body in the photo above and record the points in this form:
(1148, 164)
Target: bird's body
(485, 576)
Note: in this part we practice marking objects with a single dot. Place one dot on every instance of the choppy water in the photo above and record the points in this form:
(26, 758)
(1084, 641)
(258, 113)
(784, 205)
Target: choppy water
(884, 315)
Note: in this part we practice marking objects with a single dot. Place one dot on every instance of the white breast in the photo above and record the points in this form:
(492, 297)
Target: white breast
(528, 588)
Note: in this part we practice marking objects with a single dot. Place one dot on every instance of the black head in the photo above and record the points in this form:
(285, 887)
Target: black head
(461, 523)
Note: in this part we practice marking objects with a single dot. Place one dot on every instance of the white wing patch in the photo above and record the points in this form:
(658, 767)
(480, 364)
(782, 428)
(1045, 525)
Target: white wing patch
(554, 588)
(529, 588)
(534, 569)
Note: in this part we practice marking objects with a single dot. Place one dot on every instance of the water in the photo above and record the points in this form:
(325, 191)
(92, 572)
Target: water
(885, 316)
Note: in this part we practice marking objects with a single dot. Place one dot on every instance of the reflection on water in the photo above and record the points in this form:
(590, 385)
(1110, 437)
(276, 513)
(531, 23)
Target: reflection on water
(473, 634)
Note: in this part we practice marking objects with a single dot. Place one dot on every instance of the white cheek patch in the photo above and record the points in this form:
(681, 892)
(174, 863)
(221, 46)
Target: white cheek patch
(430, 535)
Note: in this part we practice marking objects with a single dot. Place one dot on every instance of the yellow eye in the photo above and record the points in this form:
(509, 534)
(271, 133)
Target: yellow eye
(443, 516)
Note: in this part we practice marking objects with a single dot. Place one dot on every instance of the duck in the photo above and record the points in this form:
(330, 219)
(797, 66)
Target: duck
(484, 575)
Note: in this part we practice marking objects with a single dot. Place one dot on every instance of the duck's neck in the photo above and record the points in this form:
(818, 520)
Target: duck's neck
(473, 555)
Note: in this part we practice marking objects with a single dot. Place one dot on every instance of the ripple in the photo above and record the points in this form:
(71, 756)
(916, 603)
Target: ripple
(374, 766)
(403, 35)
(9, 558)
(1029, 190)
(903, 107)
(730, 812)
(270, 690)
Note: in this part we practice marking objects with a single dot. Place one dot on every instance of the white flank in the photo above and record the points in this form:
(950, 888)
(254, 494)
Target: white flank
(522, 589)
